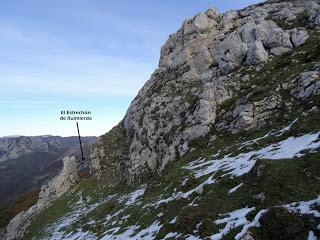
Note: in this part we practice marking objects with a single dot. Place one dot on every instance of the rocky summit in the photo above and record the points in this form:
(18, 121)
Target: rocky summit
(214, 59)
(222, 142)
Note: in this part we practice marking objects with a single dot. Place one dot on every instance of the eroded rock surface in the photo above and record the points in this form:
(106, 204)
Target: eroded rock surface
(182, 100)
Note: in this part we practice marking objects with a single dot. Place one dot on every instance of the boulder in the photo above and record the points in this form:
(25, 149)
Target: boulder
(257, 54)
(279, 51)
(229, 19)
(299, 37)
(196, 131)
(203, 23)
(272, 35)
(306, 85)
(231, 52)
(214, 14)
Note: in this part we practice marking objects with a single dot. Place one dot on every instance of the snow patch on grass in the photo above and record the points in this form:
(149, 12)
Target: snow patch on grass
(254, 223)
(170, 235)
(304, 207)
(232, 190)
(132, 197)
(233, 220)
(241, 164)
(129, 234)
(312, 236)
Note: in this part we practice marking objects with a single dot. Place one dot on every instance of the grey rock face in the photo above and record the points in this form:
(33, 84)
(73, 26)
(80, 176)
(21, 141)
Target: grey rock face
(278, 51)
(180, 102)
(307, 84)
(257, 54)
(250, 115)
(317, 19)
(61, 183)
(299, 37)
(203, 23)
(231, 52)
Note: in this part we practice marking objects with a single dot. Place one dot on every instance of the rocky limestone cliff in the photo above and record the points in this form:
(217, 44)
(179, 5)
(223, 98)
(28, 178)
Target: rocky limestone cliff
(49, 192)
(209, 81)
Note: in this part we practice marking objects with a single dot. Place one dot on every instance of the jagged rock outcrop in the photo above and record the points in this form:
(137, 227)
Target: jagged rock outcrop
(306, 84)
(197, 74)
(49, 192)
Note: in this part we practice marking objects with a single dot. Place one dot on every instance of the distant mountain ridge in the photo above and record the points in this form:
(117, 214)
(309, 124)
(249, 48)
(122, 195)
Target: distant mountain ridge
(26, 162)
(13, 147)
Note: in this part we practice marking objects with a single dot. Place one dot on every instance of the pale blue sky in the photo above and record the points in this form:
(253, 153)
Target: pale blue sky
(82, 54)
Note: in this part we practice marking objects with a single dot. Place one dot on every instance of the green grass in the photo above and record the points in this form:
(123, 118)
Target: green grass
(282, 181)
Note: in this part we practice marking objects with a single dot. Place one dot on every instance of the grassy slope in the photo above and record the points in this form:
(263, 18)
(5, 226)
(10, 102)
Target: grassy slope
(281, 181)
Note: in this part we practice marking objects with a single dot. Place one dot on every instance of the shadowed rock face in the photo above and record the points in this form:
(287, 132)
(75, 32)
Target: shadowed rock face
(28, 162)
(200, 70)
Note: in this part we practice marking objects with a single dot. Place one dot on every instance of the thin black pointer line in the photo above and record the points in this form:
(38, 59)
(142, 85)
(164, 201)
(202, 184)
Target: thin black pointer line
(80, 142)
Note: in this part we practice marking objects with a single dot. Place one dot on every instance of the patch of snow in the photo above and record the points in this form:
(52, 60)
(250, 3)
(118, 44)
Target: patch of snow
(236, 166)
(232, 190)
(253, 141)
(79, 235)
(193, 204)
(235, 219)
(111, 216)
(270, 133)
(304, 207)
(282, 131)
(160, 214)
(132, 197)
(130, 233)
(80, 208)
(178, 195)
(291, 147)
(254, 223)
(109, 235)
(191, 237)
(170, 235)
(196, 230)
(198, 189)
(173, 221)
(243, 163)
(312, 236)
